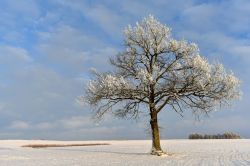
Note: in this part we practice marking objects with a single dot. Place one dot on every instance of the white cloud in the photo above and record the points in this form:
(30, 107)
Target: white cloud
(39, 94)
(237, 19)
(2, 105)
(70, 123)
(242, 50)
(44, 126)
(107, 19)
(171, 8)
(73, 49)
(76, 122)
(29, 8)
(13, 36)
(19, 125)
(11, 54)
(18, 15)
(201, 17)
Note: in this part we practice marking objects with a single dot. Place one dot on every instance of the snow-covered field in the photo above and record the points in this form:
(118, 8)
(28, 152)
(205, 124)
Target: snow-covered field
(135, 153)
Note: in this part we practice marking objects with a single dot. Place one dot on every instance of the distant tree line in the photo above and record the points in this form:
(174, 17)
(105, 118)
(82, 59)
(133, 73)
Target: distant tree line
(227, 135)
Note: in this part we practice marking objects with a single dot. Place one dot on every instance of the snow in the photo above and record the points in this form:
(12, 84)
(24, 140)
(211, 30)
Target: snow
(126, 153)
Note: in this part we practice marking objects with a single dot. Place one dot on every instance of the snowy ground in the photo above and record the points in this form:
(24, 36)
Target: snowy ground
(135, 153)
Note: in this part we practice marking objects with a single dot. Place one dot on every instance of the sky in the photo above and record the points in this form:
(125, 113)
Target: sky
(48, 47)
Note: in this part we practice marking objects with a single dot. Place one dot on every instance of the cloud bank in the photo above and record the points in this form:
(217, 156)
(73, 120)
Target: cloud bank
(48, 47)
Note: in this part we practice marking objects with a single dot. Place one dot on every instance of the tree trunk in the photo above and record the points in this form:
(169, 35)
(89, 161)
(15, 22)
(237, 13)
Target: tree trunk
(156, 146)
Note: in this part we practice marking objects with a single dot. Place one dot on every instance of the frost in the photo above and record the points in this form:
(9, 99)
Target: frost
(154, 65)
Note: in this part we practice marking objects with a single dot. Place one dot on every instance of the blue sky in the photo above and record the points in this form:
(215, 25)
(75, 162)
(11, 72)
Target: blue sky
(47, 48)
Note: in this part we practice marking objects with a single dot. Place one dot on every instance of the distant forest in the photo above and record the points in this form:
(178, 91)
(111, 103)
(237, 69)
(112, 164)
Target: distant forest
(227, 135)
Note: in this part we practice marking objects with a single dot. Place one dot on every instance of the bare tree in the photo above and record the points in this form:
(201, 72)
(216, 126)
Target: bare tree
(156, 71)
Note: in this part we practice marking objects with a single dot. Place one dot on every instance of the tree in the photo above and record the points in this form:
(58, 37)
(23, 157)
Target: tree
(158, 71)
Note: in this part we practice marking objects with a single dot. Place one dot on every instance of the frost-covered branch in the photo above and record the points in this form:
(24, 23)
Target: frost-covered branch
(157, 70)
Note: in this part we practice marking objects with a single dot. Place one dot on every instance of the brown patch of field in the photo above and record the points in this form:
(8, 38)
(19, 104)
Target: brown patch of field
(61, 145)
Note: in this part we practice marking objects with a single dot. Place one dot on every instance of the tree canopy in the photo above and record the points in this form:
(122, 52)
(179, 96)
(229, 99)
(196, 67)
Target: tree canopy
(172, 70)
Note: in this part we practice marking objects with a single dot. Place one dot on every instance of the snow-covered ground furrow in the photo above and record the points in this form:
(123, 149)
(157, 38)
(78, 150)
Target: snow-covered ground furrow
(128, 153)
(240, 158)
